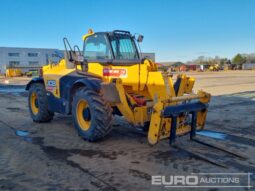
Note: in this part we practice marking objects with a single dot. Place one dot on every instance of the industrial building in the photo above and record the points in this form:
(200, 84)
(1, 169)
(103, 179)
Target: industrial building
(248, 66)
(25, 58)
(28, 59)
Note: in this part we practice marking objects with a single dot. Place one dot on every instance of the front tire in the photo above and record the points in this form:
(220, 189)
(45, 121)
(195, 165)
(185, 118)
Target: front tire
(38, 103)
(92, 116)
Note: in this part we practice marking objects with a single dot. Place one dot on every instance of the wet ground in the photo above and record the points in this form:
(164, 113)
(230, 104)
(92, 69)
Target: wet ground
(51, 156)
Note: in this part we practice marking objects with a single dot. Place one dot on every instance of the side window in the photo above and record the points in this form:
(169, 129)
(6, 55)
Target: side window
(124, 48)
(127, 49)
(96, 47)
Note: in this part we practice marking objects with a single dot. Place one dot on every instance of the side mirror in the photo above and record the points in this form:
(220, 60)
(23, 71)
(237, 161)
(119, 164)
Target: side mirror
(140, 38)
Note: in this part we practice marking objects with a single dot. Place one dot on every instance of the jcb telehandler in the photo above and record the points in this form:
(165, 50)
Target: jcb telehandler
(110, 77)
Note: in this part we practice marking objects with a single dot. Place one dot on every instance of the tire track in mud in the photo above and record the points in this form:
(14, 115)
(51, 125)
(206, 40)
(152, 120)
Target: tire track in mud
(62, 155)
(50, 150)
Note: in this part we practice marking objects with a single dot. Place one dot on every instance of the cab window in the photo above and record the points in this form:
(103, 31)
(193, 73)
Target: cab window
(96, 48)
(123, 47)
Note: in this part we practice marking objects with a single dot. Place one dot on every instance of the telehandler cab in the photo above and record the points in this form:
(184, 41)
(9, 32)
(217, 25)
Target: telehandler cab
(110, 77)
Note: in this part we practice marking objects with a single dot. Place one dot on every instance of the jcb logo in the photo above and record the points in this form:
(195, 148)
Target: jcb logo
(51, 83)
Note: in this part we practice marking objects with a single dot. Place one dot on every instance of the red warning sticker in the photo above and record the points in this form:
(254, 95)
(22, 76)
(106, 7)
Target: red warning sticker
(119, 73)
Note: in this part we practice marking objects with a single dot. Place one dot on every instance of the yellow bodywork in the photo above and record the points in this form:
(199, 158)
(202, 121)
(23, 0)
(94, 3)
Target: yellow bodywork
(214, 67)
(150, 83)
(55, 72)
(12, 72)
(141, 79)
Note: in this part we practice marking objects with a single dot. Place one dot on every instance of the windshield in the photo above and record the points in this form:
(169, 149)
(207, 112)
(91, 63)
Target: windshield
(96, 48)
(123, 47)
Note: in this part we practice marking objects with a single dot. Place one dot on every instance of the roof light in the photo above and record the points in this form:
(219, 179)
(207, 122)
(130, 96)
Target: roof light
(90, 31)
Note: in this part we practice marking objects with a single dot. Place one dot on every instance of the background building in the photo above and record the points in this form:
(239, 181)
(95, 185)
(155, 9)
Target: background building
(25, 58)
(28, 59)
(248, 66)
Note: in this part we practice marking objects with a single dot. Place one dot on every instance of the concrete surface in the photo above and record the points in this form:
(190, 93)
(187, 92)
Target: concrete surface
(51, 156)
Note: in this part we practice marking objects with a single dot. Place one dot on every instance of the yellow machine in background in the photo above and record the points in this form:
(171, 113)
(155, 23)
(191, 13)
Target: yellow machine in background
(214, 67)
(12, 72)
(109, 77)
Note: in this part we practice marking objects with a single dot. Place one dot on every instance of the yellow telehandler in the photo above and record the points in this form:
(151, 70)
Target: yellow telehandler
(13, 72)
(109, 77)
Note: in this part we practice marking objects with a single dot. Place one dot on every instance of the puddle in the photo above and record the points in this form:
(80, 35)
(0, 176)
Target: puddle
(25, 137)
(21, 133)
(212, 134)
(224, 136)
(16, 91)
(63, 154)
(58, 152)
(12, 88)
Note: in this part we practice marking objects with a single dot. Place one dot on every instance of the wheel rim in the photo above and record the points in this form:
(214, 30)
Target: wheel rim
(34, 103)
(83, 115)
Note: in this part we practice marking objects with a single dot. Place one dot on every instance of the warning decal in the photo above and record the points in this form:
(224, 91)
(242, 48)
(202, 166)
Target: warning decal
(119, 73)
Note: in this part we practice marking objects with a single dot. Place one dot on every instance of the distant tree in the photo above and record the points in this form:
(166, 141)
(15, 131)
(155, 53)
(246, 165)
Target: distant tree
(201, 60)
(229, 62)
(223, 61)
(250, 58)
(239, 59)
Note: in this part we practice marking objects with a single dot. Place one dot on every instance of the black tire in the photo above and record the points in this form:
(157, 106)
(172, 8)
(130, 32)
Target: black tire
(43, 114)
(100, 114)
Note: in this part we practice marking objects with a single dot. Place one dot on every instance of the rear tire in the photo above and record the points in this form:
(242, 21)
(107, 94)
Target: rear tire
(38, 103)
(92, 116)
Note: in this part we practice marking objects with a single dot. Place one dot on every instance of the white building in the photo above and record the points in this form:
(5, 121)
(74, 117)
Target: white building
(248, 66)
(25, 58)
(32, 58)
